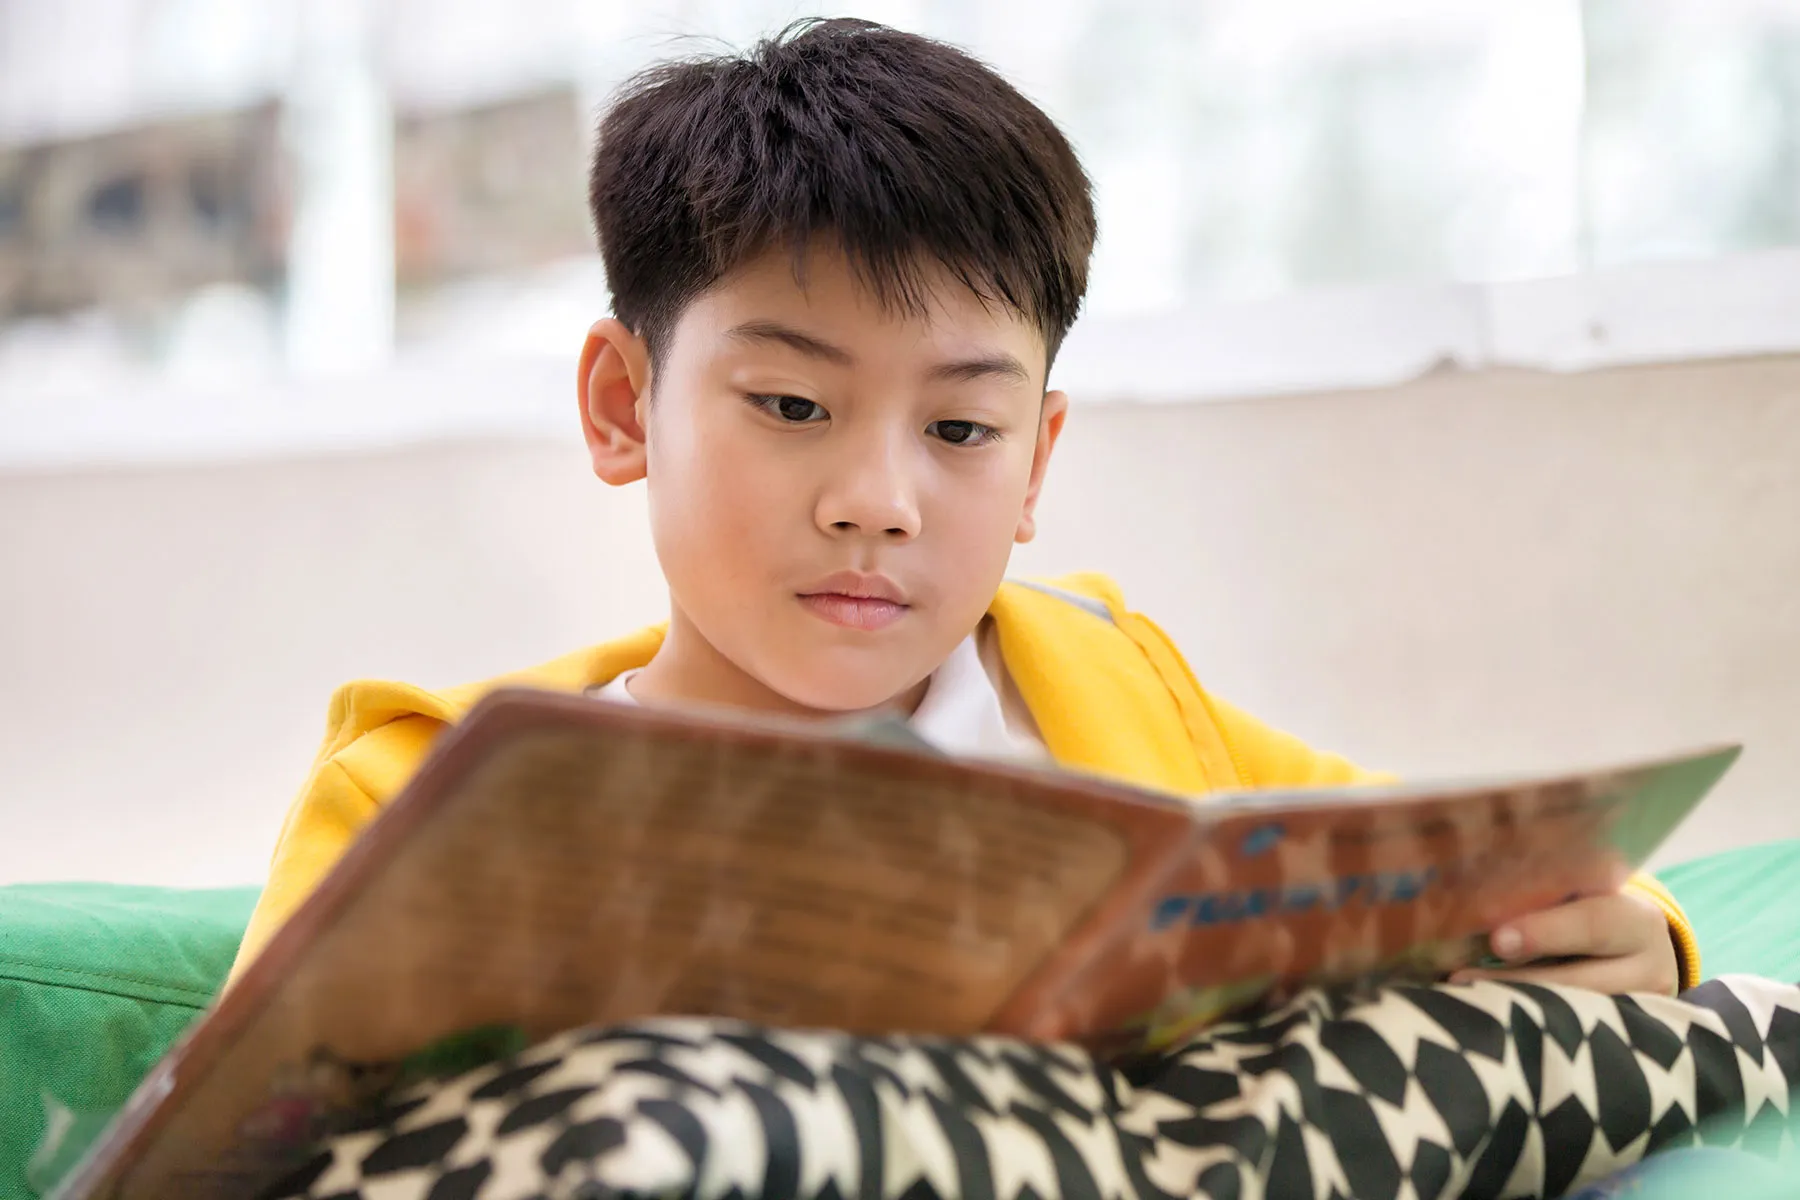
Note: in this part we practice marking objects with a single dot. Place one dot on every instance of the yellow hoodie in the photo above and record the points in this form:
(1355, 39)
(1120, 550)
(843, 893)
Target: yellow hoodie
(1109, 692)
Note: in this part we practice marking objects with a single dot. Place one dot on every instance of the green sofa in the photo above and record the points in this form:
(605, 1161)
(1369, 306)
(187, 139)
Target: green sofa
(97, 980)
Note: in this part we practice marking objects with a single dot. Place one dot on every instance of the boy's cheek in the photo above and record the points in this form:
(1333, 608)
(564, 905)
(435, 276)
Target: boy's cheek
(717, 497)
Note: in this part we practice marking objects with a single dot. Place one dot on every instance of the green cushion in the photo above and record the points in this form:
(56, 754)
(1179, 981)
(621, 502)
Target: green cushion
(1745, 906)
(96, 981)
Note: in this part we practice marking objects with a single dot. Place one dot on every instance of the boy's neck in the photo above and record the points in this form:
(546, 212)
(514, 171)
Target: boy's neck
(689, 671)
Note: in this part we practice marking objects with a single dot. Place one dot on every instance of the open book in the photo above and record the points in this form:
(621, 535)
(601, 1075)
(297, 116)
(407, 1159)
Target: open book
(561, 861)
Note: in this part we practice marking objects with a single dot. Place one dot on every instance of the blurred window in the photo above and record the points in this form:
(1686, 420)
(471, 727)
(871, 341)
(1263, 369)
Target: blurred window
(1241, 150)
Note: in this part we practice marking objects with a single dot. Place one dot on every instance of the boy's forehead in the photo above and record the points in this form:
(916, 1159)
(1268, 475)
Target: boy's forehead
(824, 295)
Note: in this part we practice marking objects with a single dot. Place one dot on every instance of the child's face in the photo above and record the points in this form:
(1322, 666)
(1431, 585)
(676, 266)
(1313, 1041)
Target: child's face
(835, 489)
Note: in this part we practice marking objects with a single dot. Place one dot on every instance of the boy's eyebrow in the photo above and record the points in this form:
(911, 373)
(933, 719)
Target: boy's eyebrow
(962, 371)
(966, 370)
(787, 335)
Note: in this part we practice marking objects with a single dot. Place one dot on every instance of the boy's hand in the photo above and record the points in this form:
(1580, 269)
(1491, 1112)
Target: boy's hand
(1619, 943)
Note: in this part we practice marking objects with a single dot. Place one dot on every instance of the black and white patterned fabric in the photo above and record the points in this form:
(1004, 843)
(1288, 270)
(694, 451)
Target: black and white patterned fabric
(1485, 1090)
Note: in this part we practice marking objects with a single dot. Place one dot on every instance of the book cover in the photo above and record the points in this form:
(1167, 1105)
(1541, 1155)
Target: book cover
(562, 861)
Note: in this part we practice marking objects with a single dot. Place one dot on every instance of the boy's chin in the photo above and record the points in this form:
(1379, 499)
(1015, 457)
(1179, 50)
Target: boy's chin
(841, 692)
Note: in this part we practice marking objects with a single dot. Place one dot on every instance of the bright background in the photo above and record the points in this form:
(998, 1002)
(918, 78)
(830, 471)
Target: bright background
(1439, 387)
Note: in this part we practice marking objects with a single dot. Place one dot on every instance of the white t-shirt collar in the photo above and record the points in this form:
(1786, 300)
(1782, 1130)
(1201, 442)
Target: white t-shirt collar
(960, 714)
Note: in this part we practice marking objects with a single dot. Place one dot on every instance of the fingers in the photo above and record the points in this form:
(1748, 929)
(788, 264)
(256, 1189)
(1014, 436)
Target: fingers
(1641, 974)
(1612, 926)
(1618, 943)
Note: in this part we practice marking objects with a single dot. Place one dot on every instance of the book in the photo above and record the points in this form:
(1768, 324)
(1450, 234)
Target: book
(561, 861)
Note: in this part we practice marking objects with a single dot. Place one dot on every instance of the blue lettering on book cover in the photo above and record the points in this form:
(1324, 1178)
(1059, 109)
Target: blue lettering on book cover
(1261, 840)
(1195, 909)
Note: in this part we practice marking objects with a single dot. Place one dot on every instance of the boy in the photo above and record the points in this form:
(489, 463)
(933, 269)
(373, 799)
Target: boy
(841, 268)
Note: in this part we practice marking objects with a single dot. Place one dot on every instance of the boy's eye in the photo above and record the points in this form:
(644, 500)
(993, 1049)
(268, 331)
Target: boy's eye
(792, 409)
(962, 433)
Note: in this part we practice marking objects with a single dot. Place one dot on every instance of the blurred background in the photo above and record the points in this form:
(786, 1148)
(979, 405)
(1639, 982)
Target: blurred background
(1439, 386)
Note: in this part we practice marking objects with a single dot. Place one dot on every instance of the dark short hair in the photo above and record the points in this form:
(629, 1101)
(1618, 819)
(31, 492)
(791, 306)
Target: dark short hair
(907, 150)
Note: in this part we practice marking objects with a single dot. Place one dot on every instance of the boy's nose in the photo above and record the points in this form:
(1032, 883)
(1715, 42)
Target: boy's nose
(873, 497)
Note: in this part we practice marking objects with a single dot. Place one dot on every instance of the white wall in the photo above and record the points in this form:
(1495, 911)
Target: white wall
(1461, 574)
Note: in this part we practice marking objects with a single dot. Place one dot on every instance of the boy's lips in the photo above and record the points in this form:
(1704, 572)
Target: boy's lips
(856, 601)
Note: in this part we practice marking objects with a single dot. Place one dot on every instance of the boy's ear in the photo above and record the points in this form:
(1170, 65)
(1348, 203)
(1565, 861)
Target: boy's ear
(614, 382)
(1050, 425)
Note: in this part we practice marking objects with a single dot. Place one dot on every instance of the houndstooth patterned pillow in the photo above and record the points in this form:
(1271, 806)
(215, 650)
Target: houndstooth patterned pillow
(1485, 1090)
